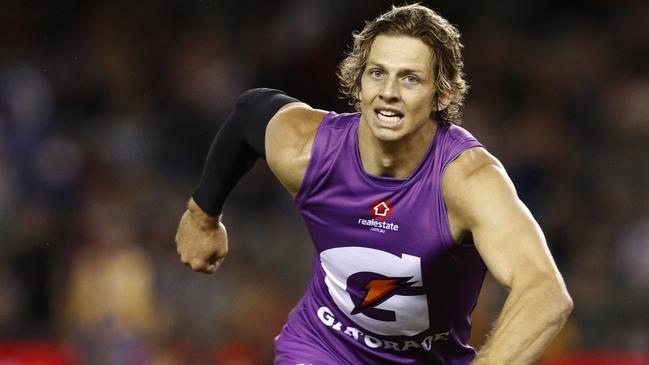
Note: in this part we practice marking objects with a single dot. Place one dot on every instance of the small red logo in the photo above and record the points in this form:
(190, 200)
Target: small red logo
(381, 209)
(379, 290)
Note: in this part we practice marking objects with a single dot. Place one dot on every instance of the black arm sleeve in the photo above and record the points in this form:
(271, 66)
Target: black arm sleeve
(237, 145)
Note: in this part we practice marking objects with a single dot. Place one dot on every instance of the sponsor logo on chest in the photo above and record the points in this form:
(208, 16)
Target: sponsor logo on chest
(380, 212)
(382, 294)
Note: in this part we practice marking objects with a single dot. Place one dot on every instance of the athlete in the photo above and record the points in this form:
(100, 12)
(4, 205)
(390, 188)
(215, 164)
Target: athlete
(406, 210)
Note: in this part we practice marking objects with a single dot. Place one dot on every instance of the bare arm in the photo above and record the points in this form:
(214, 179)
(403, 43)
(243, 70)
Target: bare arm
(481, 199)
(289, 138)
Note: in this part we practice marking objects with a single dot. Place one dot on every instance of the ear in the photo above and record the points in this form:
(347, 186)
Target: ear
(442, 102)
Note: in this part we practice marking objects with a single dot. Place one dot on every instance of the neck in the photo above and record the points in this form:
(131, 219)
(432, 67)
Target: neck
(397, 159)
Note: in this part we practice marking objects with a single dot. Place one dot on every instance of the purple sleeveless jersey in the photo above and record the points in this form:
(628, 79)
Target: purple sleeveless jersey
(389, 286)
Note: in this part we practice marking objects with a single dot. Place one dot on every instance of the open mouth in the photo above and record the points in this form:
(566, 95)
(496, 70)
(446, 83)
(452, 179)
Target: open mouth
(388, 117)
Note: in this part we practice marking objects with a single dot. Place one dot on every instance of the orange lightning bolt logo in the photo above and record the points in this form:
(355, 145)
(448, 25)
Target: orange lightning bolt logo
(378, 290)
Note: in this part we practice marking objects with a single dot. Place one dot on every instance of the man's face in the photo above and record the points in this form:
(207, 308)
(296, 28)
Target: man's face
(397, 87)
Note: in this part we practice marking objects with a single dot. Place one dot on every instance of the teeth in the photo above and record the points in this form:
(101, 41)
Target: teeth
(388, 116)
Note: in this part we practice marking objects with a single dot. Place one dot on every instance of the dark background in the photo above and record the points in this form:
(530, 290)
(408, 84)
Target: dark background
(107, 109)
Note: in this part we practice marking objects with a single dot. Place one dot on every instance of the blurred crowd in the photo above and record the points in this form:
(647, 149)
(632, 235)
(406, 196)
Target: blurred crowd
(107, 109)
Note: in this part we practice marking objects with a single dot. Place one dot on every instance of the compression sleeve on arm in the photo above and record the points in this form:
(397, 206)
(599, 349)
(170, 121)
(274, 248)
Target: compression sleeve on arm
(237, 145)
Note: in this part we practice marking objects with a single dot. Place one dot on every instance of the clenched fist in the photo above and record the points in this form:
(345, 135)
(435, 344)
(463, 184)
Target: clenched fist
(201, 240)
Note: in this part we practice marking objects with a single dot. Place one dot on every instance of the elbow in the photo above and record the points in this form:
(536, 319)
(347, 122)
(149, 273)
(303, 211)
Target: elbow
(559, 303)
(565, 305)
(551, 298)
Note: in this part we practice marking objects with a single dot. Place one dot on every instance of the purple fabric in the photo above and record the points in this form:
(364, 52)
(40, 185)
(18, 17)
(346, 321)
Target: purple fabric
(389, 285)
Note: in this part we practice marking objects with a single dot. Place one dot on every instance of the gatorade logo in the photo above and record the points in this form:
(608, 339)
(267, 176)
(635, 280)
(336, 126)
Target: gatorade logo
(379, 291)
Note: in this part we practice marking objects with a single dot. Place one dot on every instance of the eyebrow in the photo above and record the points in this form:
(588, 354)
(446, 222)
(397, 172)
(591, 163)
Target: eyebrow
(403, 71)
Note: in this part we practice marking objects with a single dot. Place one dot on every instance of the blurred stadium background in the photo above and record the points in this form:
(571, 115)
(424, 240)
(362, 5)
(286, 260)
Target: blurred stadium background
(107, 109)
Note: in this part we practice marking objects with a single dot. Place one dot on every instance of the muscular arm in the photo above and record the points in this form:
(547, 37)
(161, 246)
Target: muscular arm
(481, 199)
(201, 239)
(289, 138)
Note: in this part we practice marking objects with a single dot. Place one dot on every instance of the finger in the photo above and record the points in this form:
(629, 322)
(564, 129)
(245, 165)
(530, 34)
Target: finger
(195, 268)
(214, 258)
(198, 265)
(209, 269)
(214, 265)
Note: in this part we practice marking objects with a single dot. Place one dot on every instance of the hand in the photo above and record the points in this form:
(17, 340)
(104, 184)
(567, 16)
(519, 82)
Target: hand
(201, 240)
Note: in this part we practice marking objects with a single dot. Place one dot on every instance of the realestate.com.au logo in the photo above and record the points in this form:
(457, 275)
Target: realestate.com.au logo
(380, 211)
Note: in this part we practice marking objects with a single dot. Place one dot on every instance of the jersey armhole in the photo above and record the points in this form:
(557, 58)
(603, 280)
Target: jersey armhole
(314, 162)
(445, 226)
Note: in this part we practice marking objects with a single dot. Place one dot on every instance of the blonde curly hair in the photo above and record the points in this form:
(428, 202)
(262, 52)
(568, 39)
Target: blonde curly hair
(419, 22)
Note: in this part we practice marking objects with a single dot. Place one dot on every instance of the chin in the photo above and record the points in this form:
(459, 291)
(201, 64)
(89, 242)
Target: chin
(386, 135)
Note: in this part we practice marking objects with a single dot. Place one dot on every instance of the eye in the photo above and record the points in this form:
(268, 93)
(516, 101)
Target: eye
(376, 73)
(411, 79)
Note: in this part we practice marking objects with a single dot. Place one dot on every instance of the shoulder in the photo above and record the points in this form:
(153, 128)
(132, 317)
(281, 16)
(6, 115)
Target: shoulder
(455, 140)
(295, 122)
(472, 163)
(472, 168)
(289, 139)
(474, 179)
(458, 132)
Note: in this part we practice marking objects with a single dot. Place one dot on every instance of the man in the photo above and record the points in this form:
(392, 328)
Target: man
(393, 197)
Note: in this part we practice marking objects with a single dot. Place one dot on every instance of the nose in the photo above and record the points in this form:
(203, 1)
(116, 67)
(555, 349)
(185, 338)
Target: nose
(390, 90)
